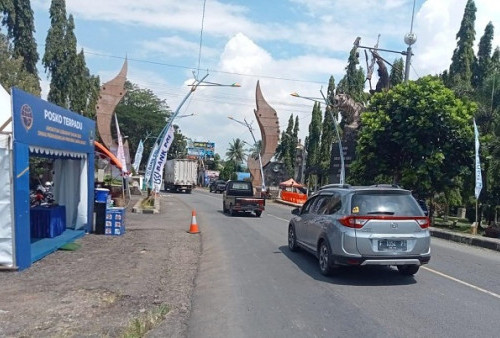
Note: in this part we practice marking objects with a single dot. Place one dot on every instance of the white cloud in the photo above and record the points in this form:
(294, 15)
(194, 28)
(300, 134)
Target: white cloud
(436, 26)
(292, 51)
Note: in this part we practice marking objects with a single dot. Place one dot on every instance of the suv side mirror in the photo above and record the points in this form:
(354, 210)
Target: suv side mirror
(296, 211)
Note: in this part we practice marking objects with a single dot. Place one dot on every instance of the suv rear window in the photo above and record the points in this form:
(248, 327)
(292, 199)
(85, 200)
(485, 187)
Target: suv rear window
(395, 203)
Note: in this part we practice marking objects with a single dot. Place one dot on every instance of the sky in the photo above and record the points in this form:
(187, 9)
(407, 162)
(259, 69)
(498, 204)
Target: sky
(287, 45)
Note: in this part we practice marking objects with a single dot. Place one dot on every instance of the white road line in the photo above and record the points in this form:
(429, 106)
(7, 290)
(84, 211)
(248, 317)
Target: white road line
(281, 219)
(462, 282)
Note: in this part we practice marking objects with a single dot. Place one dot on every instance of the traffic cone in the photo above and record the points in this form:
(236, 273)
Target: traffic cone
(193, 229)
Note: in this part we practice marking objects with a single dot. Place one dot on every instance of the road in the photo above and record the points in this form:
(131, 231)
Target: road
(250, 285)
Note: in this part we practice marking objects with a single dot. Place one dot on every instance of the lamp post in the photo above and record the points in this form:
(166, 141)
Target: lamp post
(336, 124)
(409, 39)
(249, 126)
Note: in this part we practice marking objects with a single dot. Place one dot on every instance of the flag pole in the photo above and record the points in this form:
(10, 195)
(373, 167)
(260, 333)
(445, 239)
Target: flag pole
(478, 178)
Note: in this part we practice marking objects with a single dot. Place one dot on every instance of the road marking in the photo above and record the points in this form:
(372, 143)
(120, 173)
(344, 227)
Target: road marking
(281, 219)
(462, 282)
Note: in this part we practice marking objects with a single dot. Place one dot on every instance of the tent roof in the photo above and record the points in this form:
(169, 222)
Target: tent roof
(291, 183)
(5, 109)
(104, 152)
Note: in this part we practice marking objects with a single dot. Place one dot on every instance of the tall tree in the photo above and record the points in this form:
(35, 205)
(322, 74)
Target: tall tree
(22, 34)
(141, 114)
(328, 134)
(313, 146)
(12, 71)
(397, 72)
(55, 59)
(289, 158)
(482, 63)
(353, 82)
(460, 74)
(418, 135)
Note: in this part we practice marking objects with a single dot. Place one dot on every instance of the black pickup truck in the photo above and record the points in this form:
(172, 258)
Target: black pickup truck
(239, 197)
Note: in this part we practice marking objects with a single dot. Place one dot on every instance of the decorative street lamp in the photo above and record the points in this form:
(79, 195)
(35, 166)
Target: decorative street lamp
(409, 39)
(249, 126)
(336, 124)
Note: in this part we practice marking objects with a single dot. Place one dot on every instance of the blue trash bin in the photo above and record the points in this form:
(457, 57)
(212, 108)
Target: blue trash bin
(101, 195)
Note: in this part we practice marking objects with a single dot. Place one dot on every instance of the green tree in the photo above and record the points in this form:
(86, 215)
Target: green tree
(460, 73)
(84, 88)
(328, 134)
(21, 29)
(353, 83)
(255, 149)
(216, 164)
(482, 64)
(141, 113)
(178, 148)
(290, 144)
(418, 135)
(397, 72)
(313, 146)
(236, 152)
(228, 171)
(55, 59)
(12, 71)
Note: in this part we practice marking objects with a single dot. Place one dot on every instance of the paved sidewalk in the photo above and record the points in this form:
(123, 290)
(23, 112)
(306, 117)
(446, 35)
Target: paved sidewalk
(475, 240)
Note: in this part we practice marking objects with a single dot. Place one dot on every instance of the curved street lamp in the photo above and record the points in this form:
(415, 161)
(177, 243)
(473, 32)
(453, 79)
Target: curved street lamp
(336, 124)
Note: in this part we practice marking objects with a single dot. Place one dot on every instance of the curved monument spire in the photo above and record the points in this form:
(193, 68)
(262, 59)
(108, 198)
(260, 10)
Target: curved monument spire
(267, 118)
(109, 96)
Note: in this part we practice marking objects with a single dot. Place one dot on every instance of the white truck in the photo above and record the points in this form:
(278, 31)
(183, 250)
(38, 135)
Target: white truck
(180, 175)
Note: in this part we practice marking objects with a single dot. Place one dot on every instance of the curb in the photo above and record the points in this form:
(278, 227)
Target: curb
(474, 240)
(139, 210)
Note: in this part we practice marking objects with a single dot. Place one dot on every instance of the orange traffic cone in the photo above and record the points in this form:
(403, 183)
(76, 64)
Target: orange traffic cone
(193, 229)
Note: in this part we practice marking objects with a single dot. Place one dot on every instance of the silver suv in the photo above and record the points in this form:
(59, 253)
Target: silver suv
(372, 225)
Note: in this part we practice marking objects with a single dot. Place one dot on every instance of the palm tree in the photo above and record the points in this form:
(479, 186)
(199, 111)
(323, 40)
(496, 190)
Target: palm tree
(255, 149)
(236, 152)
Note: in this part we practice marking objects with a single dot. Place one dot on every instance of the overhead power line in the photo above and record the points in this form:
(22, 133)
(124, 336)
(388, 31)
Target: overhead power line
(259, 76)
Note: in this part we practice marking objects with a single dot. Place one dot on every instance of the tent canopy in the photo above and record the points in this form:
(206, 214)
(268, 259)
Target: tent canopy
(102, 151)
(291, 183)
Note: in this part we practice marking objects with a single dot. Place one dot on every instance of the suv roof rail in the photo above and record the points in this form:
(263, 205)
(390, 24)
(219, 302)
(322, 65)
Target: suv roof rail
(384, 185)
(335, 185)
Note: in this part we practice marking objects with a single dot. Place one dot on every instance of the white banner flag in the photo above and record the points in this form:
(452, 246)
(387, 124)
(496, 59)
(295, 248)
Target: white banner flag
(138, 156)
(149, 166)
(120, 153)
(479, 179)
(161, 158)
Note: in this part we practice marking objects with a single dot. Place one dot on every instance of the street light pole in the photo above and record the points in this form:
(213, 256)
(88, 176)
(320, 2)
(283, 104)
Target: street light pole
(410, 39)
(249, 126)
(336, 125)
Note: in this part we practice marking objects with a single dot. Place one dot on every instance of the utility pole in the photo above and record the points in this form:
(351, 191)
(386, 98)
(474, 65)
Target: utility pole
(410, 39)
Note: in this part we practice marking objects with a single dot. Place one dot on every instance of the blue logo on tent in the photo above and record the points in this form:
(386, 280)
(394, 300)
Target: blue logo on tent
(26, 116)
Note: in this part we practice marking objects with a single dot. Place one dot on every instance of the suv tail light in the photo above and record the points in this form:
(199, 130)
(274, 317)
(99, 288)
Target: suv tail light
(354, 222)
(357, 222)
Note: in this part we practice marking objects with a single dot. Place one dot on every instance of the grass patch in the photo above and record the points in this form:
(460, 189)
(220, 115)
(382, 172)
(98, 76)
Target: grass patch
(453, 223)
(148, 203)
(138, 327)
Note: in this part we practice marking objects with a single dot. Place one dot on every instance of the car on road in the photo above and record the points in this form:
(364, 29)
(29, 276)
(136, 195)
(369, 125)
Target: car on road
(344, 225)
(239, 198)
(217, 186)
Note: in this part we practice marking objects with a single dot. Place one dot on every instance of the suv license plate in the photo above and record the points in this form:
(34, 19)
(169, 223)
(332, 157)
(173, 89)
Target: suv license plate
(391, 245)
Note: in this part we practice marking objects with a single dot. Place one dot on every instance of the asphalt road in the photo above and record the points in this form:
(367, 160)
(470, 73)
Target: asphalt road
(250, 285)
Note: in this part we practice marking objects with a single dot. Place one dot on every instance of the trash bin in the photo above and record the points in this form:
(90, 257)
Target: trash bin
(100, 217)
(101, 195)
(100, 206)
